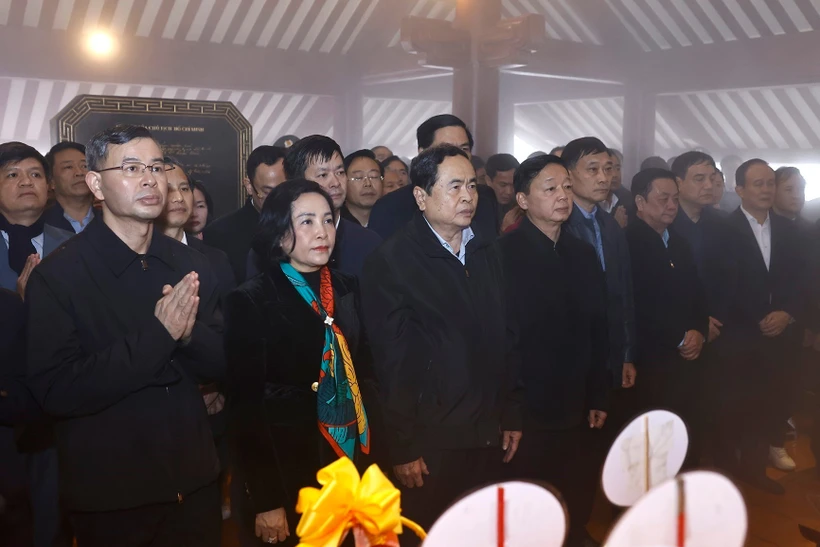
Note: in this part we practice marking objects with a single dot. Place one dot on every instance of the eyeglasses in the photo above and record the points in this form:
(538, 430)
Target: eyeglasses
(369, 179)
(136, 169)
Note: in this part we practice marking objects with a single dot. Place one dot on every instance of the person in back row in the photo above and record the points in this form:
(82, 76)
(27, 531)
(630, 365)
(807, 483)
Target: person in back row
(396, 209)
(73, 208)
(233, 233)
(364, 186)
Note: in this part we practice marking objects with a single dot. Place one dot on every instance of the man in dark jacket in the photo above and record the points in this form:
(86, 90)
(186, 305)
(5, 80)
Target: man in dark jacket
(397, 208)
(233, 233)
(588, 162)
(134, 328)
(763, 300)
(557, 292)
(671, 314)
(434, 307)
(73, 207)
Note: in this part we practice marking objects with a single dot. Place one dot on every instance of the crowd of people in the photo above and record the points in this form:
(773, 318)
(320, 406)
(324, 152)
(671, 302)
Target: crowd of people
(455, 321)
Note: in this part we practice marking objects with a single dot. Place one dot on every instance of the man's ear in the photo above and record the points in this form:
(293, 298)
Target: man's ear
(94, 182)
(521, 199)
(246, 182)
(640, 202)
(421, 196)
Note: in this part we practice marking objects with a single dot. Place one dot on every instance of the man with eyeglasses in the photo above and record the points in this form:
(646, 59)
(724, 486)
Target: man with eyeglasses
(232, 234)
(134, 328)
(364, 186)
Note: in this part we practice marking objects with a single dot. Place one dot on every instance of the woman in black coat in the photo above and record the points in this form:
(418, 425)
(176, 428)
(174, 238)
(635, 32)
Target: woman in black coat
(293, 342)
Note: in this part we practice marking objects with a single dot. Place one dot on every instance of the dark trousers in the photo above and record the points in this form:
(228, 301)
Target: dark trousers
(674, 384)
(49, 529)
(453, 473)
(562, 459)
(753, 398)
(15, 509)
(196, 522)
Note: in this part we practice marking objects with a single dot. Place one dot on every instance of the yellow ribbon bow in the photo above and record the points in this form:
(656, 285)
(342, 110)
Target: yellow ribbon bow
(346, 501)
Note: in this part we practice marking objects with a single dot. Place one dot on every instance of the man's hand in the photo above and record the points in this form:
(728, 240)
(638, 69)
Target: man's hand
(621, 217)
(22, 281)
(272, 526)
(510, 442)
(628, 375)
(714, 329)
(178, 306)
(411, 474)
(597, 419)
(692, 345)
(775, 323)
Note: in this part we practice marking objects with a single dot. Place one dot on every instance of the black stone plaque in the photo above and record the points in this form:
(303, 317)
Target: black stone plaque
(211, 139)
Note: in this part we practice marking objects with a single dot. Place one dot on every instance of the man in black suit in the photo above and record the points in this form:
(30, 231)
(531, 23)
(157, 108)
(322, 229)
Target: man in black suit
(443, 348)
(557, 294)
(134, 328)
(233, 233)
(396, 209)
(671, 315)
(73, 209)
(762, 301)
(319, 158)
(172, 221)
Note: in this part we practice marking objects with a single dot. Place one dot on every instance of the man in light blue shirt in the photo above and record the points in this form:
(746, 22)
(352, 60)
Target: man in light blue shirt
(66, 174)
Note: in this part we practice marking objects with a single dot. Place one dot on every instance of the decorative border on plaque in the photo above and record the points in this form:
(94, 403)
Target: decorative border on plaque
(82, 105)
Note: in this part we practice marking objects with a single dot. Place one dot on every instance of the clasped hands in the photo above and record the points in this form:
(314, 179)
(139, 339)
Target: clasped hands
(692, 345)
(775, 323)
(177, 308)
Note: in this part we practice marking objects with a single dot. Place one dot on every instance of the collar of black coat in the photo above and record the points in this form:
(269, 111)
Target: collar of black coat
(538, 237)
(419, 230)
(647, 232)
(118, 256)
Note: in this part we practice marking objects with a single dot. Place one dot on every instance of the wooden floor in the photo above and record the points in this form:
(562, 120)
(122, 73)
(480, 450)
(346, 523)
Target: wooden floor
(773, 520)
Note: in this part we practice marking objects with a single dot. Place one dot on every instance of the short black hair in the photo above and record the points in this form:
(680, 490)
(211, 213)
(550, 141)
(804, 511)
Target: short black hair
(275, 220)
(556, 149)
(60, 147)
(689, 159)
(308, 150)
(577, 149)
(424, 168)
(391, 159)
(96, 151)
(782, 174)
(740, 174)
(171, 160)
(380, 146)
(363, 153)
(642, 181)
(478, 162)
(528, 170)
(654, 161)
(426, 133)
(500, 162)
(265, 154)
(15, 152)
(198, 185)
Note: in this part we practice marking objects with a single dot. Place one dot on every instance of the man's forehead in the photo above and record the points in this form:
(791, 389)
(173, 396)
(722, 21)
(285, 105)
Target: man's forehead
(26, 163)
(140, 148)
(63, 155)
(452, 134)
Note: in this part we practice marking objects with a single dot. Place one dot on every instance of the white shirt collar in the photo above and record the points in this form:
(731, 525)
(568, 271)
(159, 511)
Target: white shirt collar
(752, 219)
(184, 238)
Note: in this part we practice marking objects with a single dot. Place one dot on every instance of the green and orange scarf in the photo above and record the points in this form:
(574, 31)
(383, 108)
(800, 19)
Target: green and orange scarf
(342, 418)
